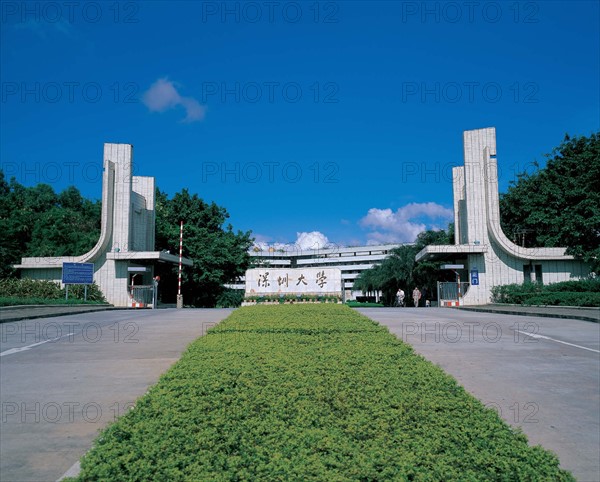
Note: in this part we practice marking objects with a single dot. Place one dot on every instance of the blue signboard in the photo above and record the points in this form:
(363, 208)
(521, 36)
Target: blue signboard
(78, 273)
(474, 276)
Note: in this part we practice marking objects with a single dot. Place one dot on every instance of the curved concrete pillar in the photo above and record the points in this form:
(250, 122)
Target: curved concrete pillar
(478, 234)
(126, 234)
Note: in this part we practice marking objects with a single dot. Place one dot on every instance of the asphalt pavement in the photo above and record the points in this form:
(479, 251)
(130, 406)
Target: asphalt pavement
(565, 312)
(31, 312)
(541, 374)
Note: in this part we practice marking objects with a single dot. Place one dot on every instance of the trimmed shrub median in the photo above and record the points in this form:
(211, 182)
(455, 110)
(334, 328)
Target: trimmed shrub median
(310, 392)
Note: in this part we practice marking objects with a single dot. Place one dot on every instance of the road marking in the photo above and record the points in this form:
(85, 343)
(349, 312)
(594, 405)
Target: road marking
(535, 335)
(12, 351)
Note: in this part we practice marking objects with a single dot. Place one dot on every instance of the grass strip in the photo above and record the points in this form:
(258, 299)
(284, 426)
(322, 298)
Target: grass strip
(310, 392)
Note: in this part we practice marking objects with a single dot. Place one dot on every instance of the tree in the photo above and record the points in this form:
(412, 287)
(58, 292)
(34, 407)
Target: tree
(559, 205)
(35, 221)
(399, 270)
(367, 281)
(220, 255)
(426, 274)
(9, 245)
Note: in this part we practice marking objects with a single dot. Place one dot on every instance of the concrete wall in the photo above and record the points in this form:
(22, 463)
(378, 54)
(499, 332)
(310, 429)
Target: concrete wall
(143, 214)
(122, 156)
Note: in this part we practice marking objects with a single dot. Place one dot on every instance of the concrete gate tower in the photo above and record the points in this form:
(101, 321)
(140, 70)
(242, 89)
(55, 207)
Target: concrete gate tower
(124, 254)
(479, 243)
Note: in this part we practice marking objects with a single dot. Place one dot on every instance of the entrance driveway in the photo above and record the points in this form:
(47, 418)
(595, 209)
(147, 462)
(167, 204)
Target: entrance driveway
(63, 379)
(540, 374)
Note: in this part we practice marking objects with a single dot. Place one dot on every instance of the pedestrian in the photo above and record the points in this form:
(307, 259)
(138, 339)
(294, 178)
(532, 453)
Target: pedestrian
(400, 297)
(416, 296)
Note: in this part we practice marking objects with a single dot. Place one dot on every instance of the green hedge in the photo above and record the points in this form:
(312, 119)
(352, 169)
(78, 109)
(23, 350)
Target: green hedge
(310, 392)
(562, 298)
(11, 301)
(230, 298)
(29, 288)
(301, 298)
(566, 293)
(588, 285)
(23, 290)
(358, 304)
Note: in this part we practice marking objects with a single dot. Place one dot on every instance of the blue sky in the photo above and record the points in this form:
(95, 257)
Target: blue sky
(337, 118)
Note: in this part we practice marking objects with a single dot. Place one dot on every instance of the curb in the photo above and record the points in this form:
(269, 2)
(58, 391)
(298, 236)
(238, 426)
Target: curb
(532, 313)
(52, 315)
(74, 471)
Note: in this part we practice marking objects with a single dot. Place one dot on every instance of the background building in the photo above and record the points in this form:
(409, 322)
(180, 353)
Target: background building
(350, 260)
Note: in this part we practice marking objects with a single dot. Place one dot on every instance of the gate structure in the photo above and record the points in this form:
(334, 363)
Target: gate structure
(489, 257)
(127, 236)
(142, 296)
(451, 293)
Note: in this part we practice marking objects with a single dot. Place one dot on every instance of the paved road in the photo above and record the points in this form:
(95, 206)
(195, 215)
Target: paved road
(59, 389)
(541, 374)
(570, 312)
(29, 312)
(63, 379)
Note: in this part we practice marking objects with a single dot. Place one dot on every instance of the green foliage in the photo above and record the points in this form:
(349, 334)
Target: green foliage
(35, 221)
(93, 293)
(310, 392)
(290, 298)
(399, 270)
(566, 293)
(42, 301)
(220, 255)
(358, 304)
(230, 298)
(30, 288)
(559, 205)
(562, 298)
(26, 291)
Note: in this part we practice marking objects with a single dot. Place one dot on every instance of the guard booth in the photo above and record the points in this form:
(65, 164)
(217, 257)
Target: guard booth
(451, 293)
(141, 294)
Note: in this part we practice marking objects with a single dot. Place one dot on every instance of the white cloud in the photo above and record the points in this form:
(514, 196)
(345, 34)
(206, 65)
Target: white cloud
(305, 241)
(405, 224)
(312, 240)
(163, 95)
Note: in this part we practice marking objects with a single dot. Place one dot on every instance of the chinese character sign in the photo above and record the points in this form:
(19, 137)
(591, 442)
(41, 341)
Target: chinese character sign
(293, 281)
(263, 279)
